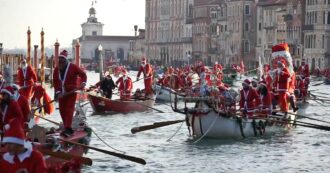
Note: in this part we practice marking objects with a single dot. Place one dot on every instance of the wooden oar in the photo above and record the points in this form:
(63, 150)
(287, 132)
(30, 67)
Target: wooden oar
(154, 126)
(54, 122)
(122, 156)
(302, 116)
(66, 156)
(65, 94)
(300, 123)
(318, 84)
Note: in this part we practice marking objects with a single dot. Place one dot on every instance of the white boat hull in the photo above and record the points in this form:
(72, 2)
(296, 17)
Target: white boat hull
(165, 94)
(212, 125)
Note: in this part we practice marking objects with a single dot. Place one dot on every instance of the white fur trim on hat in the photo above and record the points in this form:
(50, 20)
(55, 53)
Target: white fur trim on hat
(13, 140)
(15, 86)
(6, 91)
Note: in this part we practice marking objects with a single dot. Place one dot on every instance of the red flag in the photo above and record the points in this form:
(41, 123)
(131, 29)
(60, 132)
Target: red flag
(242, 67)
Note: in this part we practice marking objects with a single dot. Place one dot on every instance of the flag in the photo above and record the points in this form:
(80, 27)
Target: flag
(242, 67)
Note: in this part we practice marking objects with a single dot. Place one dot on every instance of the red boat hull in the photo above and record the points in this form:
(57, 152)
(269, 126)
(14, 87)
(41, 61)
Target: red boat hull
(101, 104)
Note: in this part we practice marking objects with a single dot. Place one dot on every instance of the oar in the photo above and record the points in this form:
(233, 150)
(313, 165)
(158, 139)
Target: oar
(56, 123)
(160, 111)
(318, 84)
(66, 156)
(154, 126)
(304, 124)
(123, 156)
(65, 94)
(302, 116)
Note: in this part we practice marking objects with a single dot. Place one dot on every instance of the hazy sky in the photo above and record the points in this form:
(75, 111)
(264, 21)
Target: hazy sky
(62, 19)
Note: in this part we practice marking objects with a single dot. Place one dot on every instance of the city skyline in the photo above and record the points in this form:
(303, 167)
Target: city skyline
(63, 19)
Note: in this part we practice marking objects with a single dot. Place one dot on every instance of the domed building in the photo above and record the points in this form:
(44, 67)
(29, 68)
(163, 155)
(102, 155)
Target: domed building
(115, 48)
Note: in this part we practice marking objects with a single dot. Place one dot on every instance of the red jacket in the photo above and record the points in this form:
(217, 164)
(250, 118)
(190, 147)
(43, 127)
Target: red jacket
(33, 162)
(125, 85)
(70, 78)
(146, 70)
(264, 101)
(26, 77)
(25, 107)
(248, 99)
(303, 70)
(10, 111)
(281, 82)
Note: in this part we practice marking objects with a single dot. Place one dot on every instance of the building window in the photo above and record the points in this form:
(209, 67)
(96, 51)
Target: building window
(246, 26)
(328, 22)
(94, 33)
(246, 46)
(226, 26)
(259, 26)
(323, 41)
(213, 14)
(247, 10)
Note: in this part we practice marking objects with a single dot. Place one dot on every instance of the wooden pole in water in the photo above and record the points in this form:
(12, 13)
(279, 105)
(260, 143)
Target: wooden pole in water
(28, 58)
(77, 53)
(56, 53)
(35, 61)
(42, 59)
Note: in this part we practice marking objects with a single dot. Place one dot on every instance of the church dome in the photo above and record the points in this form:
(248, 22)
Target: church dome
(92, 11)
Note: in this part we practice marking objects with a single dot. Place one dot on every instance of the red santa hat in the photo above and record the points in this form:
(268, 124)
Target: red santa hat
(9, 90)
(124, 72)
(14, 132)
(247, 82)
(280, 50)
(64, 54)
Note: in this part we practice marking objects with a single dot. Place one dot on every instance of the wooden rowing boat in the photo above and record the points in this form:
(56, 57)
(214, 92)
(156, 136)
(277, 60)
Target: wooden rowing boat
(102, 104)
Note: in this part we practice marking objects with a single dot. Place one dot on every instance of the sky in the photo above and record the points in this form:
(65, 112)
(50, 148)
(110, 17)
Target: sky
(62, 19)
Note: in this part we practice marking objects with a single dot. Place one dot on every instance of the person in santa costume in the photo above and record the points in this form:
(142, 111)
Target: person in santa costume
(9, 108)
(147, 71)
(125, 86)
(26, 77)
(65, 79)
(264, 103)
(303, 69)
(22, 102)
(249, 97)
(2, 82)
(20, 156)
(282, 85)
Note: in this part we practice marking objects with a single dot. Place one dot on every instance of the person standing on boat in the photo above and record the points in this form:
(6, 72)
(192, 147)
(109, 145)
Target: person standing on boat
(65, 81)
(147, 71)
(9, 108)
(106, 85)
(26, 77)
(125, 86)
(20, 157)
(282, 83)
(303, 69)
(248, 99)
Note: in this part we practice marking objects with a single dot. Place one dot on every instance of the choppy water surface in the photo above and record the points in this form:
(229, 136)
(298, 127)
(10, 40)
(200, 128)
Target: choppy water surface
(300, 150)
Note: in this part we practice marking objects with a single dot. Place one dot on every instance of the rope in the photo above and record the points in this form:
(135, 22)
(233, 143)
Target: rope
(106, 143)
(169, 139)
(207, 131)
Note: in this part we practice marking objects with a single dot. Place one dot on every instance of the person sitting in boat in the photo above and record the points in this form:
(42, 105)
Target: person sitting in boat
(264, 102)
(9, 108)
(303, 69)
(125, 86)
(22, 102)
(139, 94)
(147, 71)
(217, 67)
(248, 98)
(65, 84)
(26, 77)
(106, 85)
(254, 83)
(19, 155)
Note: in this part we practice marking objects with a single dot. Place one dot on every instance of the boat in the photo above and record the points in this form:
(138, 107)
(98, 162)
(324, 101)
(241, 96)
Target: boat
(165, 94)
(101, 104)
(207, 122)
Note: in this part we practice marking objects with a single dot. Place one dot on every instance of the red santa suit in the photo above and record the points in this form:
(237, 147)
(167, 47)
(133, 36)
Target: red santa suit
(147, 71)
(282, 84)
(248, 99)
(125, 87)
(26, 77)
(29, 160)
(264, 101)
(11, 110)
(24, 105)
(303, 70)
(65, 82)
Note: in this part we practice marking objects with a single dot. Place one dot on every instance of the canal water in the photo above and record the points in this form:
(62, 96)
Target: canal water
(171, 149)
